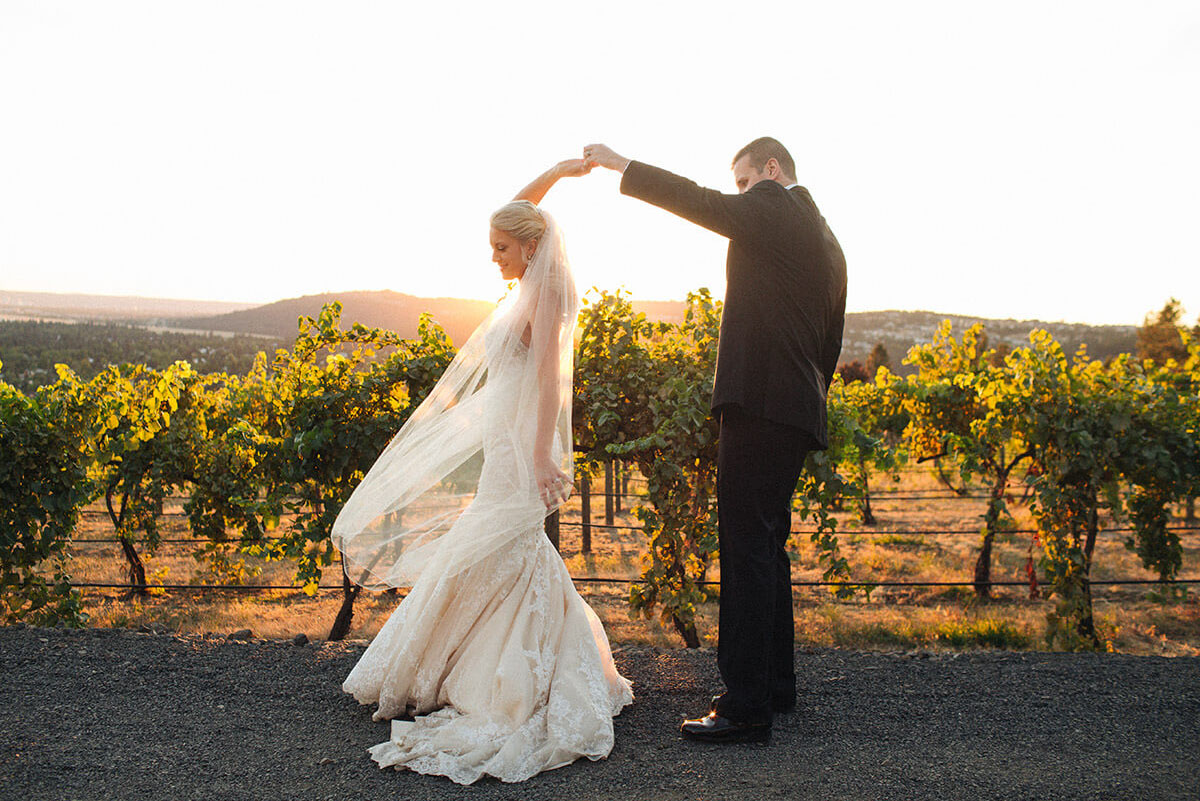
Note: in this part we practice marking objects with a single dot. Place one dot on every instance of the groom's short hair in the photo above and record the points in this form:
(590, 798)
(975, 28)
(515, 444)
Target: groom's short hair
(765, 148)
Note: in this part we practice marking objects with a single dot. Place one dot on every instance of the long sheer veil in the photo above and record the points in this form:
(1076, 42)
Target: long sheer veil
(456, 482)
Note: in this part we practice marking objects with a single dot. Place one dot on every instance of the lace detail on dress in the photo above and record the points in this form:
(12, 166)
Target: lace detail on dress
(507, 667)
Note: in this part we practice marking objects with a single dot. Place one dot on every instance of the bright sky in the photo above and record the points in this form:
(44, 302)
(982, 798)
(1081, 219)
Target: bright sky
(1011, 159)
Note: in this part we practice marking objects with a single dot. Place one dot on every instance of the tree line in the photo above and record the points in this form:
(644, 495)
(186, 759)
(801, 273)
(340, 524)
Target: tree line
(31, 348)
(267, 458)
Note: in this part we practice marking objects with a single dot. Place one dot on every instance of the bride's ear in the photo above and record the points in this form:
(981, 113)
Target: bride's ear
(533, 243)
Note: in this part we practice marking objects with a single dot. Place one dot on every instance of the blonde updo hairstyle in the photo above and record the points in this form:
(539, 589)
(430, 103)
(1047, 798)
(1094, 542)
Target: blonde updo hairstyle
(521, 220)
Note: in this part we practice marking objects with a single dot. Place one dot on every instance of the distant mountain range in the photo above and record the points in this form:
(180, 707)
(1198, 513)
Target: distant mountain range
(900, 330)
(118, 308)
(896, 330)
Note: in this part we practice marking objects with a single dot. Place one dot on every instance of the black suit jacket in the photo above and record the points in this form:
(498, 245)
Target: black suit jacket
(785, 295)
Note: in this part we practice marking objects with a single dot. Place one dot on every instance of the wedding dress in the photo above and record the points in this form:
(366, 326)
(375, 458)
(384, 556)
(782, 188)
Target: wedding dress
(506, 669)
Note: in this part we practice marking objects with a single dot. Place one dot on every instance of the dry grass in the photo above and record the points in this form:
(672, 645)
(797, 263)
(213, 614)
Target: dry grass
(890, 618)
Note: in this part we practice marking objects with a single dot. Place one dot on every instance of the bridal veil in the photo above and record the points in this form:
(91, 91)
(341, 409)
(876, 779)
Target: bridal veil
(416, 510)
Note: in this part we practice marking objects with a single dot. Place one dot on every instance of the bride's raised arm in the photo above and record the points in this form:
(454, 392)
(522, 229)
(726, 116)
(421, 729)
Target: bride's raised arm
(538, 187)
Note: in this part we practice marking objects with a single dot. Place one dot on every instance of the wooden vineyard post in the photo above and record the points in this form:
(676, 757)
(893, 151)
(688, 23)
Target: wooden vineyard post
(610, 492)
(617, 471)
(585, 500)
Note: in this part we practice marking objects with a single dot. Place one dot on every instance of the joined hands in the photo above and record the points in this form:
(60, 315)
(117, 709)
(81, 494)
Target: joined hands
(603, 156)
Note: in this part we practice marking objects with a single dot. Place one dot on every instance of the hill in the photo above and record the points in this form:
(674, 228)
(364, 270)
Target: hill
(897, 330)
(382, 309)
(900, 330)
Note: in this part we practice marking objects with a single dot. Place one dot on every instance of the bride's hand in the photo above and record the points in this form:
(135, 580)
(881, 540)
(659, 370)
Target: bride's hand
(573, 168)
(554, 486)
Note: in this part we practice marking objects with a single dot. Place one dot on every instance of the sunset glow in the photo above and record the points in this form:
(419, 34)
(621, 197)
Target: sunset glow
(1024, 160)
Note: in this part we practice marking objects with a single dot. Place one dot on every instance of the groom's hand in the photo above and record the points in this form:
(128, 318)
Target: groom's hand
(603, 156)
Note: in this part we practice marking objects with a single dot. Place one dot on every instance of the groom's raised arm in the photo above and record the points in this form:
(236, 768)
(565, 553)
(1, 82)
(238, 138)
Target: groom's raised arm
(732, 216)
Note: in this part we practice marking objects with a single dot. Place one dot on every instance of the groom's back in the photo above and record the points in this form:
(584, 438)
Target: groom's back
(784, 310)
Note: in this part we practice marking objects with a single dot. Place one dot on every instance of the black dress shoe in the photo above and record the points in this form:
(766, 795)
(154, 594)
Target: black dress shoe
(712, 728)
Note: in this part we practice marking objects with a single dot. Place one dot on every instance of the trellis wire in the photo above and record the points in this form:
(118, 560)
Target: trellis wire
(934, 494)
(578, 524)
(1095, 583)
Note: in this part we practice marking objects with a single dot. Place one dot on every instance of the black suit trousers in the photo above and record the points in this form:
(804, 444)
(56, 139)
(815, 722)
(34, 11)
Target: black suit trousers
(758, 464)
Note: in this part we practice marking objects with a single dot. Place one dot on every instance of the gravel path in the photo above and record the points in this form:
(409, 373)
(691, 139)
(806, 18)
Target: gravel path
(99, 714)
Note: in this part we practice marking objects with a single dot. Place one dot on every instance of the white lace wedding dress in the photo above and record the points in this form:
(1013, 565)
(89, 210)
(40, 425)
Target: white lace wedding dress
(506, 669)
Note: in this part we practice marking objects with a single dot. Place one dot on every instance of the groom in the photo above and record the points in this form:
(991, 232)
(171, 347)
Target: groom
(781, 333)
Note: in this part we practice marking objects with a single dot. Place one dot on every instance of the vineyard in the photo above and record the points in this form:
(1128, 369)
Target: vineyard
(984, 475)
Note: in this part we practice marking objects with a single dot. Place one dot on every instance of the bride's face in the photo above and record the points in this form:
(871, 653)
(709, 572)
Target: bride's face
(508, 253)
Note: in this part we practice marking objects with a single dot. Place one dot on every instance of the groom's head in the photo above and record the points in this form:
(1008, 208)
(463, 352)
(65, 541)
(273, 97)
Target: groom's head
(764, 159)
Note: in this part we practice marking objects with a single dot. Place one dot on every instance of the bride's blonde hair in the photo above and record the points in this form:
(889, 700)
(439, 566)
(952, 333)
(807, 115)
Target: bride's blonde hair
(520, 219)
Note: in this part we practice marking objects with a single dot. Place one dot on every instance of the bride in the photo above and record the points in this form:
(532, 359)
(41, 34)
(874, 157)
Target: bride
(492, 664)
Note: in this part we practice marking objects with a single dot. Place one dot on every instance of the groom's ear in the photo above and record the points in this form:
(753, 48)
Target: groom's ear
(772, 169)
